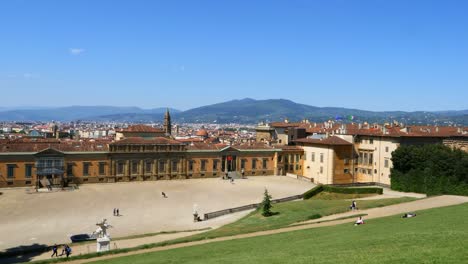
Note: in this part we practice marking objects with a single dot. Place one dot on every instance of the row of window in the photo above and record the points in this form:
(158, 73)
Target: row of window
(134, 165)
(290, 158)
(312, 158)
(11, 170)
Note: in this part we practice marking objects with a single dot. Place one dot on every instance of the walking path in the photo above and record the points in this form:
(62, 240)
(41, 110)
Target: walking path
(433, 202)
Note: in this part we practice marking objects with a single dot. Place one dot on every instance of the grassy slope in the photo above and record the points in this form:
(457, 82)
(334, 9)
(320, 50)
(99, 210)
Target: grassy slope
(291, 212)
(434, 236)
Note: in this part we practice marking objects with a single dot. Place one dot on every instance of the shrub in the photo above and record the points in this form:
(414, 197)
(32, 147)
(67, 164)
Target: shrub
(352, 190)
(314, 216)
(312, 192)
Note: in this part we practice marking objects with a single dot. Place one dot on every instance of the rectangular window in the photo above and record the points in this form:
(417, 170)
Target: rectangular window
(86, 169)
(264, 164)
(371, 141)
(215, 165)
(28, 170)
(190, 165)
(134, 167)
(346, 161)
(346, 171)
(321, 169)
(11, 171)
(280, 158)
(297, 166)
(162, 166)
(369, 171)
(386, 149)
(203, 165)
(371, 158)
(386, 163)
(254, 164)
(174, 166)
(360, 159)
(102, 168)
(120, 168)
(297, 157)
(148, 167)
(69, 169)
(313, 156)
(365, 159)
(243, 163)
(321, 157)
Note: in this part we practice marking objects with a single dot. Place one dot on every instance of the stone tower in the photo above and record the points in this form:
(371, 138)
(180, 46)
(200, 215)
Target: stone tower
(167, 123)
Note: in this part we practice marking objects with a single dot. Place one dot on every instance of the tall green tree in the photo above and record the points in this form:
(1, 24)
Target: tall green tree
(266, 204)
(430, 169)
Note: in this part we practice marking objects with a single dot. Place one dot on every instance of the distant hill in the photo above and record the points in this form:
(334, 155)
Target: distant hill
(71, 113)
(245, 111)
(251, 111)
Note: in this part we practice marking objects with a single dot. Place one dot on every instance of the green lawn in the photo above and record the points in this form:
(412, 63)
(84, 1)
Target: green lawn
(291, 212)
(434, 236)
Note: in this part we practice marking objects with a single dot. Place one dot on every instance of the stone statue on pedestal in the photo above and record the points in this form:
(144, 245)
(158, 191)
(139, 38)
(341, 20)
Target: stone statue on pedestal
(103, 238)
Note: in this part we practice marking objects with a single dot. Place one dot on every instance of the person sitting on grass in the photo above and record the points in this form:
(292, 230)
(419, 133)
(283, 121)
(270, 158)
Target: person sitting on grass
(359, 221)
(409, 215)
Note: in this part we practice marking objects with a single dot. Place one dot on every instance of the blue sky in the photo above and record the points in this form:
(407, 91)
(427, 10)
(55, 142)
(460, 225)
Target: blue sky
(373, 55)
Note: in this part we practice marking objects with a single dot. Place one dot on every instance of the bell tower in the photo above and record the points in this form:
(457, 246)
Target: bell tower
(167, 123)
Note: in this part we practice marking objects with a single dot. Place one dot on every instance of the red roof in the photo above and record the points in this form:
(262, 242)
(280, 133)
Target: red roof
(333, 140)
(142, 129)
(153, 141)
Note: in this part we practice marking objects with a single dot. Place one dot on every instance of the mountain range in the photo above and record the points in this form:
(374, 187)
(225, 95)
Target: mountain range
(245, 111)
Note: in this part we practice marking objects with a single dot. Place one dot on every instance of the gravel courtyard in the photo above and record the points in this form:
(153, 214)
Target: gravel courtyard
(47, 218)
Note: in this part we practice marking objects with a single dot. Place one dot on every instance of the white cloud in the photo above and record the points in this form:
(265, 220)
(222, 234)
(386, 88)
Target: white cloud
(75, 51)
(29, 75)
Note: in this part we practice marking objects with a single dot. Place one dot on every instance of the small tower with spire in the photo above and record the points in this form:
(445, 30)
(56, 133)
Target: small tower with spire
(167, 123)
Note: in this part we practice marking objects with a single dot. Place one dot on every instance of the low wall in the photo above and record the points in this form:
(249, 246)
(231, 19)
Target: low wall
(357, 184)
(247, 207)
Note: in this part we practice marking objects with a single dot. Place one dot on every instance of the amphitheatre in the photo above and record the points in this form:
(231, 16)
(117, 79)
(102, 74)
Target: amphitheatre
(47, 218)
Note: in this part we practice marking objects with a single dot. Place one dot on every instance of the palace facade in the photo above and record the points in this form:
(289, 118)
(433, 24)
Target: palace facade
(58, 163)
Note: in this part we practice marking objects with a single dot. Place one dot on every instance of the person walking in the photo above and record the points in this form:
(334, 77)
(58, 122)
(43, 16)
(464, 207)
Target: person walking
(68, 250)
(243, 173)
(54, 251)
(163, 195)
(117, 212)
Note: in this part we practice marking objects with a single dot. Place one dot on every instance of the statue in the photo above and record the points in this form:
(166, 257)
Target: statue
(101, 231)
(103, 238)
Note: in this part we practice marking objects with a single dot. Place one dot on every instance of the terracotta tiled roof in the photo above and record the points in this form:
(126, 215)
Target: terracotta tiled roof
(283, 124)
(205, 146)
(36, 145)
(189, 140)
(252, 146)
(202, 133)
(153, 141)
(333, 140)
(289, 148)
(142, 129)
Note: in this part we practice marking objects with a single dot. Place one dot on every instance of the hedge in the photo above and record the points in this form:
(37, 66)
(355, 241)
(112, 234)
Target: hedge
(312, 192)
(322, 188)
(353, 190)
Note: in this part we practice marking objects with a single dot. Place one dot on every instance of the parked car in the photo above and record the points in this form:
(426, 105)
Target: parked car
(82, 237)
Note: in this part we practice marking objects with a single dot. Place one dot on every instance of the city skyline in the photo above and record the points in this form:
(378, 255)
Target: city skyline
(378, 56)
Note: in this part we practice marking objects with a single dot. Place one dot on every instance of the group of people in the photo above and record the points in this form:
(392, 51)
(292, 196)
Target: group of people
(116, 212)
(66, 250)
